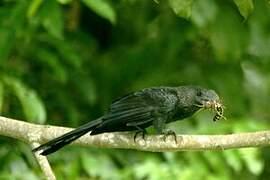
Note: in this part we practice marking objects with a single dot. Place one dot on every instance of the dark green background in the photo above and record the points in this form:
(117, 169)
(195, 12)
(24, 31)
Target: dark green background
(63, 62)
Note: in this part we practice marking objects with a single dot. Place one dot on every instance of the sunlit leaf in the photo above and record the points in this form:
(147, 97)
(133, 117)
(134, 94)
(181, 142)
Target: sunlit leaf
(182, 8)
(96, 167)
(204, 12)
(102, 8)
(18, 165)
(153, 168)
(233, 159)
(245, 7)
(260, 37)
(247, 124)
(64, 1)
(72, 170)
(252, 159)
(214, 159)
(256, 84)
(255, 81)
(32, 105)
(33, 8)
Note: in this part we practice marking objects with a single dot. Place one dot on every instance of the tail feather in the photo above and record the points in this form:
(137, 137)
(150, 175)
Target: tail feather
(67, 138)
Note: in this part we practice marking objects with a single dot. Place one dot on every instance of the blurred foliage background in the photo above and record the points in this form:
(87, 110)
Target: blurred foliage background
(63, 62)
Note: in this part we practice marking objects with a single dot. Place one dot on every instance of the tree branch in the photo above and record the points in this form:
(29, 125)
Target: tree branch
(28, 133)
(45, 166)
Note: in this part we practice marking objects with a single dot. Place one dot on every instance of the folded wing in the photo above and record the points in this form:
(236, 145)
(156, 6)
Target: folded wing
(131, 110)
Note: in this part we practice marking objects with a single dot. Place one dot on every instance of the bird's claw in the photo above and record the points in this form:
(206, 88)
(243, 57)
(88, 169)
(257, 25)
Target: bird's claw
(169, 133)
(143, 131)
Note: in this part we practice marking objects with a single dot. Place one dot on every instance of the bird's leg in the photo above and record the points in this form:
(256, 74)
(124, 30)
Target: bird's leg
(159, 125)
(140, 130)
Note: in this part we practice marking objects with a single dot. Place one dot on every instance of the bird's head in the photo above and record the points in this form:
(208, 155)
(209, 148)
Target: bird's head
(208, 99)
(196, 95)
(201, 98)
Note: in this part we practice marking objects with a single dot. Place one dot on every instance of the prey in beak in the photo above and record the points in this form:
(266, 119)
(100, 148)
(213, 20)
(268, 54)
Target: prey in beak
(217, 107)
(210, 100)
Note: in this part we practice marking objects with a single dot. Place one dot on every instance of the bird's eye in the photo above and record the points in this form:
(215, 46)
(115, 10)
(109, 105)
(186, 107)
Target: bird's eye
(199, 93)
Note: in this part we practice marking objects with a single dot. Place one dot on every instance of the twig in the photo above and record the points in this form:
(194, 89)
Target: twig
(45, 166)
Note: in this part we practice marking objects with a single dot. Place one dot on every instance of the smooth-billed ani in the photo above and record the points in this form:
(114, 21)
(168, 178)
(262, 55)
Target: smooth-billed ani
(155, 106)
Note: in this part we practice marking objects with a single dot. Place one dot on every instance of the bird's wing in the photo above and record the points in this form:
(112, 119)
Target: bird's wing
(131, 110)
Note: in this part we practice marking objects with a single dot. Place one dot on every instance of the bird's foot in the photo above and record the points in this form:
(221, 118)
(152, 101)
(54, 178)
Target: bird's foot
(167, 133)
(143, 131)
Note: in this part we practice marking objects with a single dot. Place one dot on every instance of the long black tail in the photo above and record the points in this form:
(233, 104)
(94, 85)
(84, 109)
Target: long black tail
(67, 138)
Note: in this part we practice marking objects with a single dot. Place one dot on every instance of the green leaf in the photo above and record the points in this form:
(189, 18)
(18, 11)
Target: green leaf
(251, 157)
(204, 12)
(17, 165)
(182, 8)
(51, 60)
(1, 96)
(32, 105)
(33, 8)
(95, 167)
(87, 90)
(233, 159)
(67, 51)
(64, 1)
(12, 25)
(52, 18)
(102, 8)
(7, 40)
(229, 38)
(245, 7)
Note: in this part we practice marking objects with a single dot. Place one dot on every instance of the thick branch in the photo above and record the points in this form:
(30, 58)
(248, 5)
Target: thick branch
(28, 133)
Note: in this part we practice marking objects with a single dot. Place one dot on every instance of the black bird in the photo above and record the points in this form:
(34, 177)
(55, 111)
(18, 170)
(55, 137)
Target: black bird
(155, 106)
